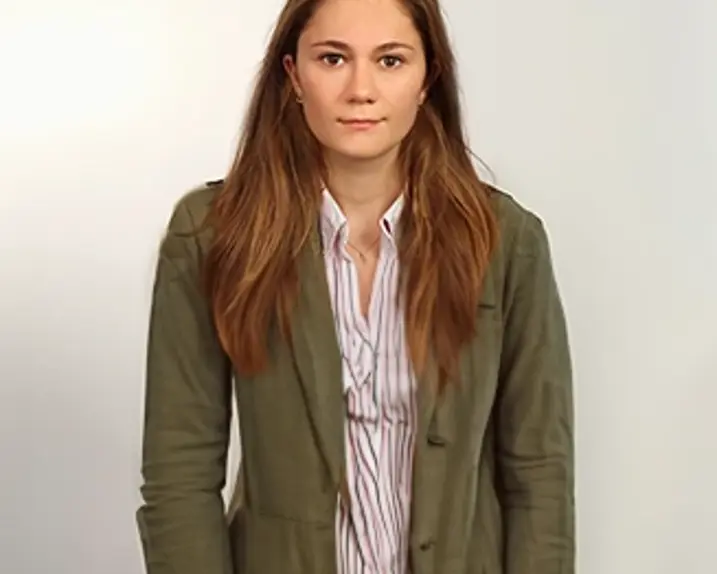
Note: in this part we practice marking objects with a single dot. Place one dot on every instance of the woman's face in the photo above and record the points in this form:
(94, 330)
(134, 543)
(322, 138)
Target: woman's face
(359, 72)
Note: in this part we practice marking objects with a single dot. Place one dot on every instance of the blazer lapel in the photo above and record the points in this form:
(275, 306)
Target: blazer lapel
(318, 358)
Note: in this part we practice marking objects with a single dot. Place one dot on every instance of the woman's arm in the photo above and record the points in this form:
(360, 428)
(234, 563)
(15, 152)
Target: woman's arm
(187, 413)
(535, 414)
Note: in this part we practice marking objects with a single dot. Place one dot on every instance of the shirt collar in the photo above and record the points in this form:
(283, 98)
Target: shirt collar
(334, 223)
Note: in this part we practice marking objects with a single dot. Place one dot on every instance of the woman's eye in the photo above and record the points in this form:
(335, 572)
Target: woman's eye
(332, 59)
(392, 61)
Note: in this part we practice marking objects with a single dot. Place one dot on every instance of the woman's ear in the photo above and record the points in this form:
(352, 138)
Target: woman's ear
(290, 67)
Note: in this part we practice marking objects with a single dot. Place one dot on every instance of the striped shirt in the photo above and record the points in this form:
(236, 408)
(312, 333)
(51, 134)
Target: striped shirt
(379, 385)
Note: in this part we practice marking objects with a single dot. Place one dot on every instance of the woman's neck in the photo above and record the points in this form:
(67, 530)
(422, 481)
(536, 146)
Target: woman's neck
(364, 192)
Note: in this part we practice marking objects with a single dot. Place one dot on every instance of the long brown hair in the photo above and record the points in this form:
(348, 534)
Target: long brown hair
(267, 208)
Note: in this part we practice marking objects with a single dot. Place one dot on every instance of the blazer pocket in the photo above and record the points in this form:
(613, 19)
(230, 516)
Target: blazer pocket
(272, 545)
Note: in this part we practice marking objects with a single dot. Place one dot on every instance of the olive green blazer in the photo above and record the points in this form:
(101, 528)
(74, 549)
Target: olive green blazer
(493, 486)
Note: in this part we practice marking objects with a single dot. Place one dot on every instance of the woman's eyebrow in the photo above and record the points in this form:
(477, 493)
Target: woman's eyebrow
(339, 45)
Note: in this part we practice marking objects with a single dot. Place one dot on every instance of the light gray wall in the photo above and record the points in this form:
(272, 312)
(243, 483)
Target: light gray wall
(598, 114)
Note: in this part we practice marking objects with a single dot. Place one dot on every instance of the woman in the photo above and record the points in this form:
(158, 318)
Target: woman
(390, 324)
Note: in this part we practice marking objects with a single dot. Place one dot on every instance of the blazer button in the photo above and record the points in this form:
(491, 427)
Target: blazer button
(436, 440)
(427, 545)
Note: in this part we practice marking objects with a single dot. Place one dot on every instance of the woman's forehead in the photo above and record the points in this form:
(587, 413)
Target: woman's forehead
(361, 24)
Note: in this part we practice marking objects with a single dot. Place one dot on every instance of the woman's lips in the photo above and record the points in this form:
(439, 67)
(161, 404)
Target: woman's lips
(359, 123)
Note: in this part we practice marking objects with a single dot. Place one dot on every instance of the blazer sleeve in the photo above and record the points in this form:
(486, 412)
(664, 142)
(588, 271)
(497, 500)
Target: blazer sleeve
(185, 441)
(535, 414)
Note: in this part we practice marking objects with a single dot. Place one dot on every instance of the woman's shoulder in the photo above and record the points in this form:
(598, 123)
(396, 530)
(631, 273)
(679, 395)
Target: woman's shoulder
(193, 206)
(522, 230)
(186, 230)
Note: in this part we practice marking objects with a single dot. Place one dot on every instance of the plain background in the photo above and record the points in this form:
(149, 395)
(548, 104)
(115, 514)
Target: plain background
(601, 115)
